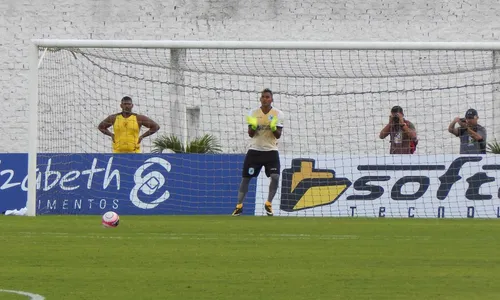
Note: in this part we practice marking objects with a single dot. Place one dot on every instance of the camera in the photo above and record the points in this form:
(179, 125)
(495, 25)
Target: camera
(395, 119)
(462, 120)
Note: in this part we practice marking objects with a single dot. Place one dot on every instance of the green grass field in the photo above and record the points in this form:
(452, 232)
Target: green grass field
(222, 257)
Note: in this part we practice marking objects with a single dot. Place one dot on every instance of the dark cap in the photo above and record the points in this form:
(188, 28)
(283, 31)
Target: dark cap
(397, 109)
(471, 113)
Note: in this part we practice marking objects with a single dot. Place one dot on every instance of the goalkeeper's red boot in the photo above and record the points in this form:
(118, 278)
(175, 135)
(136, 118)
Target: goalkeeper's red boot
(238, 210)
(269, 209)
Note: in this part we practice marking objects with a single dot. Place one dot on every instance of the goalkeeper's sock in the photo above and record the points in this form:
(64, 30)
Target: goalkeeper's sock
(273, 186)
(241, 197)
(243, 190)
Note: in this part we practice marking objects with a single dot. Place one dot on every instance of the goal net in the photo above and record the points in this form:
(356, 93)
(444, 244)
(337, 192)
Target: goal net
(336, 100)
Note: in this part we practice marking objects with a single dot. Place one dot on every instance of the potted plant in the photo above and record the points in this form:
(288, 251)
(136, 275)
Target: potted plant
(493, 147)
(205, 144)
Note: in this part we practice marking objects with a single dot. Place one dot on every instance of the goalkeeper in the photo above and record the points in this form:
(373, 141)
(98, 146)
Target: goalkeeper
(265, 125)
(126, 128)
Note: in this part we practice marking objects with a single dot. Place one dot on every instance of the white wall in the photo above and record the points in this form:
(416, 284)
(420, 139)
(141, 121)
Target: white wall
(374, 20)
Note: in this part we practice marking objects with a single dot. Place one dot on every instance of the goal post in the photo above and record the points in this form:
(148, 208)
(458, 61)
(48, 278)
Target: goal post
(336, 97)
(32, 129)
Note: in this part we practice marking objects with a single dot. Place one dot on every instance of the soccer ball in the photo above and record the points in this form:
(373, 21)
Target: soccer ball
(110, 219)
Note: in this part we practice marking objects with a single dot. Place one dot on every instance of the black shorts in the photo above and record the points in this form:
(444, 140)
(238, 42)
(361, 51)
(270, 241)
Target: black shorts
(255, 160)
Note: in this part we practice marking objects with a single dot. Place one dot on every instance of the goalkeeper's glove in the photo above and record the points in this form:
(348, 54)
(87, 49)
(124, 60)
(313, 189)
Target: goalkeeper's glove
(273, 123)
(252, 121)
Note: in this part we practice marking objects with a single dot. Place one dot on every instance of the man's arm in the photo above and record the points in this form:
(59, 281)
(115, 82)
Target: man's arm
(148, 123)
(277, 132)
(251, 131)
(277, 124)
(477, 136)
(409, 129)
(105, 124)
(452, 129)
(482, 143)
(386, 130)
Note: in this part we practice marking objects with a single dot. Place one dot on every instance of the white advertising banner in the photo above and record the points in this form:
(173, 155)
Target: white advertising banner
(400, 186)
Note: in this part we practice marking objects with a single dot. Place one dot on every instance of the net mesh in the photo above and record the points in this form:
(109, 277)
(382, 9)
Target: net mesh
(335, 102)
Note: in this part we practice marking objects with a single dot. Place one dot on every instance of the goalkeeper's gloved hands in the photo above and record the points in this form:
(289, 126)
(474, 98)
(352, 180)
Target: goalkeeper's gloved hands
(252, 121)
(274, 122)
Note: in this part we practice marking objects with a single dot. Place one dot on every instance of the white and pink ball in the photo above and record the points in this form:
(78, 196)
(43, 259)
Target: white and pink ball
(110, 219)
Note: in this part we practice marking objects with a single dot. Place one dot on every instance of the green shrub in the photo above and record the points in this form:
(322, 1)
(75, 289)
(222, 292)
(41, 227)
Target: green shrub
(205, 144)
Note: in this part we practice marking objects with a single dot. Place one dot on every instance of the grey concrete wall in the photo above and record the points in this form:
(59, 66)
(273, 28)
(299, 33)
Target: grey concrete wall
(369, 20)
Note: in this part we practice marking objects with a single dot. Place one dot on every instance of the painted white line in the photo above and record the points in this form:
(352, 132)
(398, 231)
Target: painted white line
(232, 236)
(31, 295)
(188, 236)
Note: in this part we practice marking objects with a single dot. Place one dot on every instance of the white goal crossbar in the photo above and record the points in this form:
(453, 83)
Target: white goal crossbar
(297, 45)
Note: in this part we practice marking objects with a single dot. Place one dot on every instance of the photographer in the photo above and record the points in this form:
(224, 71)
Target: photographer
(472, 135)
(402, 132)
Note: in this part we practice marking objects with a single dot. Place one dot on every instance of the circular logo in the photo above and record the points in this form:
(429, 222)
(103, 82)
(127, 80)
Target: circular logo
(149, 183)
(251, 171)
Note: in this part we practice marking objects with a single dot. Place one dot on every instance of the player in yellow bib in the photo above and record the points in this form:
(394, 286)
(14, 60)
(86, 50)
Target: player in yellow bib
(127, 127)
(265, 125)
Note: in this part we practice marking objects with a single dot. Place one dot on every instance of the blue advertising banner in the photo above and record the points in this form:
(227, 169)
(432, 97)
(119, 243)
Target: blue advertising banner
(13, 180)
(141, 184)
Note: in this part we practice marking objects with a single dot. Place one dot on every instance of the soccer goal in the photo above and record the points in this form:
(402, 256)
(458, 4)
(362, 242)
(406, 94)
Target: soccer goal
(336, 96)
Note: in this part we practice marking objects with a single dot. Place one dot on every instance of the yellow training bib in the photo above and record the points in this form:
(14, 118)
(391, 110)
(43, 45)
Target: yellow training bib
(126, 132)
